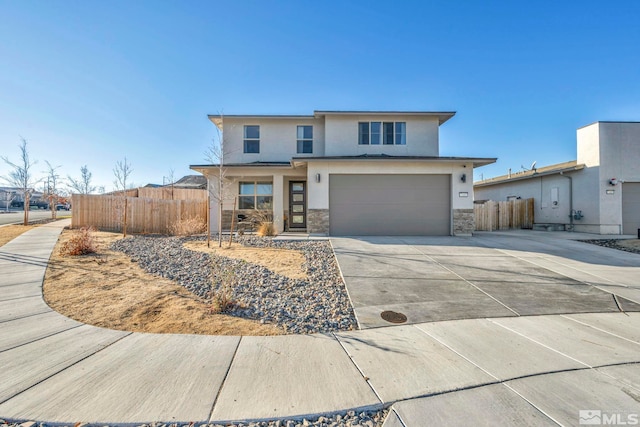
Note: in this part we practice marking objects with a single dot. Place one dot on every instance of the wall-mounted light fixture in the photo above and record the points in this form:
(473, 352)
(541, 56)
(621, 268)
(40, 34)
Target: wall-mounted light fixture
(463, 177)
(613, 181)
(317, 177)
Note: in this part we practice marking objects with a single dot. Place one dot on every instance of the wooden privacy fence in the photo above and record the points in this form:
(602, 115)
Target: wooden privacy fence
(513, 214)
(144, 215)
(165, 193)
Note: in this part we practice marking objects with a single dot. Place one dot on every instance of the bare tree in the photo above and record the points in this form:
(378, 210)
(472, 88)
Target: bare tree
(82, 185)
(52, 191)
(168, 182)
(221, 187)
(122, 171)
(22, 177)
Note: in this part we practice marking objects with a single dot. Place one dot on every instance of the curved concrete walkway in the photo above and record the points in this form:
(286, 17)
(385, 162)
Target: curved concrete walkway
(514, 371)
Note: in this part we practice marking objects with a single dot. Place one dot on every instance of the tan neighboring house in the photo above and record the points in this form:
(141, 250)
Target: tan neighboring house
(344, 173)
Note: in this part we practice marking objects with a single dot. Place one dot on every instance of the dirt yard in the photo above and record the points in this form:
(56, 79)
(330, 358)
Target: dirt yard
(285, 262)
(10, 232)
(107, 289)
(630, 244)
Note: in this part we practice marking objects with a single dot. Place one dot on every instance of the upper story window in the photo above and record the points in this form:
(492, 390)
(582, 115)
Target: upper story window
(305, 140)
(252, 139)
(387, 133)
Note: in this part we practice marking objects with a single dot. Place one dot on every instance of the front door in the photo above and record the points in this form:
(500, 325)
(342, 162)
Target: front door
(297, 204)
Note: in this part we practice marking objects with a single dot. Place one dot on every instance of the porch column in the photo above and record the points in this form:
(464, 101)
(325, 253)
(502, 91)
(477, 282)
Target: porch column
(278, 202)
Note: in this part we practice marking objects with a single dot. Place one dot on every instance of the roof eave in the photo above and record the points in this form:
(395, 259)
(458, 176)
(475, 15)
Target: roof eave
(490, 182)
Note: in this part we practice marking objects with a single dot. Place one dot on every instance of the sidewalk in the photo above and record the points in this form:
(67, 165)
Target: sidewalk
(538, 370)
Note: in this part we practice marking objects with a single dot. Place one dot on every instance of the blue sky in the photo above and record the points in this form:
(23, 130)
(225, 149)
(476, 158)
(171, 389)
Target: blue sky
(88, 82)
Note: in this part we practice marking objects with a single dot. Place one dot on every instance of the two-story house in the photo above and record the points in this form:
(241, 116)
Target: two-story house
(346, 173)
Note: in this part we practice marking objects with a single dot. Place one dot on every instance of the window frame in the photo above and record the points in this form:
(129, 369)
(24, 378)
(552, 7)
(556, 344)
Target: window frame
(255, 195)
(387, 134)
(303, 142)
(251, 141)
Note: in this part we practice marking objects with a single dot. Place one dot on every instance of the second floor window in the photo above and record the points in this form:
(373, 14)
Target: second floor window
(252, 139)
(305, 140)
(387, 133)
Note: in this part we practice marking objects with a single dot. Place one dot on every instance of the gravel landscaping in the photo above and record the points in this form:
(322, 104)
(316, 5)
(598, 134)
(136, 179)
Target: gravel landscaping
(319, 304)
(347, 419)
(614, 244)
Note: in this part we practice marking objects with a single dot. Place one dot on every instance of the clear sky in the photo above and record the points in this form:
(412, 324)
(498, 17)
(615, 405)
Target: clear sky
(90, 82)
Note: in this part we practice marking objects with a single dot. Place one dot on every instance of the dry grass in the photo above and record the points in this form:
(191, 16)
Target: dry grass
(107, 289)
(10, 232)
(630, 243)
(188, 227)
(286, 262)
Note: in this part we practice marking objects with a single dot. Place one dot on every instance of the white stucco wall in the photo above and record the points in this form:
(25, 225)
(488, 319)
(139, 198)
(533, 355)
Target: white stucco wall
(341, 134)
(278, 139)
(610, 150)
(319, 191)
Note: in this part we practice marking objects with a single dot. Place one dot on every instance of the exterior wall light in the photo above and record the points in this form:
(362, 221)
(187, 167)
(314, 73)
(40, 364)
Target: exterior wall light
(463, 177)
(317, 177)
(613, 181)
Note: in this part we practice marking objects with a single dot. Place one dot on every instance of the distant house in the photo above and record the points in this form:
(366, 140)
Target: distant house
(191, 181)
(599, 192)
(346, 173)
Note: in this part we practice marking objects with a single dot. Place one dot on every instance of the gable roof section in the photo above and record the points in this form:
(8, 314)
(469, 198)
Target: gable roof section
(558, 168)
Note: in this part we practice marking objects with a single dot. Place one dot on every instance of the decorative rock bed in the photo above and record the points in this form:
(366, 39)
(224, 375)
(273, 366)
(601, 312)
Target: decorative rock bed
(612, 243)
(319, 304)
(347, 419)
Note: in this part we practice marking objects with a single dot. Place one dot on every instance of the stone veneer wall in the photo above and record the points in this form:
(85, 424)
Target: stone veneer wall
(464, 222)
(318, 221)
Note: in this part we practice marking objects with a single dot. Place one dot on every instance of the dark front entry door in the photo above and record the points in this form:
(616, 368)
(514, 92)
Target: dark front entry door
(297, 204)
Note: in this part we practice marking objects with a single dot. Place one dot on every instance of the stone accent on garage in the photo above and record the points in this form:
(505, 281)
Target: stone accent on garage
(463, 222)
(318, 221)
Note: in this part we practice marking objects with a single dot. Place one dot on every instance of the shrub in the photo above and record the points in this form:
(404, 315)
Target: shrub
(222, 297)
(81, 243)
(188, 227)
(266, 229)
(264, 219)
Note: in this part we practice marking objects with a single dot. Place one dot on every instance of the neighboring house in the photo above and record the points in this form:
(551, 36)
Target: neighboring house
(7, 196)
(197, 182)
(346, 173)
(599, 192)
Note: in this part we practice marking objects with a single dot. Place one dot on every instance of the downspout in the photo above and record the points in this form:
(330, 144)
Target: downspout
(570, 199)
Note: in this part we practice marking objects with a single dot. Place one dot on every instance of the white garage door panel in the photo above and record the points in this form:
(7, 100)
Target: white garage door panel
(630, 207)
(389, 205)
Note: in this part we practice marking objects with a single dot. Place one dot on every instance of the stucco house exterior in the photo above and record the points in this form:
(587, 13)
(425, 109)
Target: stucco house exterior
(346, 173)
(599, 192)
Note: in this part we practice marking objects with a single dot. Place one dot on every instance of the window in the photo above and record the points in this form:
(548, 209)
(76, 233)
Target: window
(375, 133)
(255, 195)
(252, 139)
(305, 139)
(401, 133)
(363, 133)
(389, 133)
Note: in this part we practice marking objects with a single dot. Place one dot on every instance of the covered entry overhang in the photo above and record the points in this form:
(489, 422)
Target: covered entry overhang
(274, 176)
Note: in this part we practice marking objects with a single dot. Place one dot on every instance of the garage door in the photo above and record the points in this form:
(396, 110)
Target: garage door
(389, 205)
(630, 207)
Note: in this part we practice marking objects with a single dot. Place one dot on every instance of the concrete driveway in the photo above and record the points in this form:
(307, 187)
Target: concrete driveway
(492, 275)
